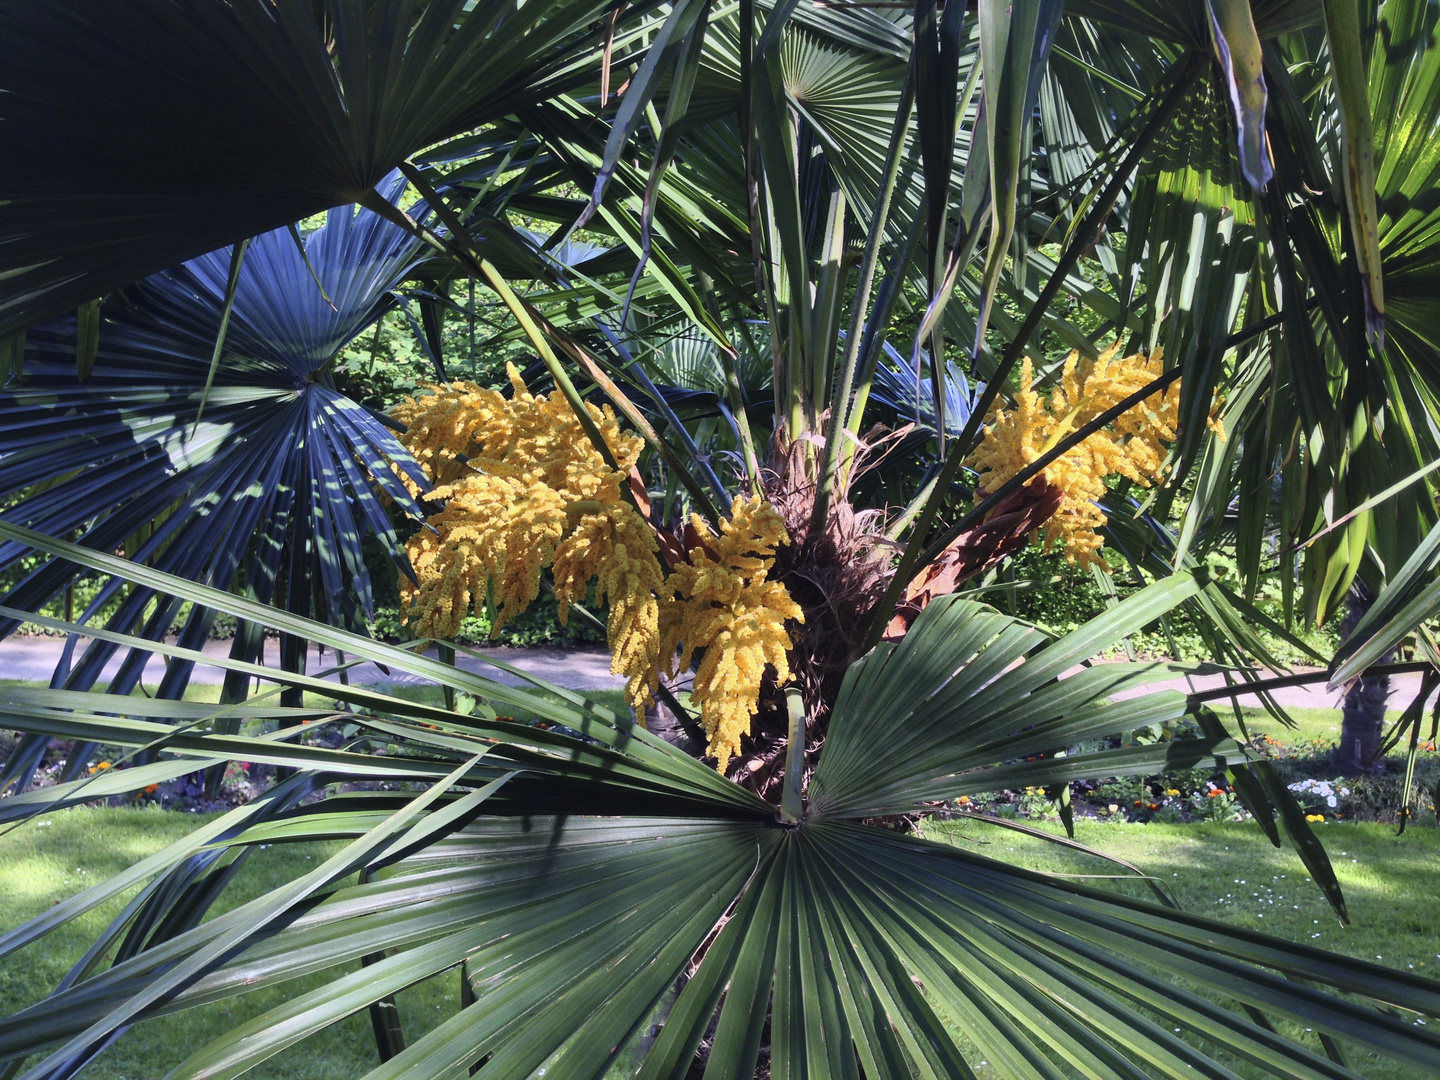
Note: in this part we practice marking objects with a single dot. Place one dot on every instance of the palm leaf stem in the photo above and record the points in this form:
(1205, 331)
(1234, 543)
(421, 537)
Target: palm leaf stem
(791, 807)
(536, 327)
(735, 392)
(661, 406)
(872, 344)
(459, 248)
(637, 419)
(237, 259)
(1261, 686)
(1352, 94)
(845, 384)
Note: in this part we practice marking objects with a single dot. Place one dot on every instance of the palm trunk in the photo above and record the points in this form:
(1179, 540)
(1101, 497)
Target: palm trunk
(1363, 709)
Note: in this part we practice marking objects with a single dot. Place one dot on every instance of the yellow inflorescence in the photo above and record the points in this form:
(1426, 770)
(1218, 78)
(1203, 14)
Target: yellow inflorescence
(492, 532)
(722, 601)
(1132, 446)
(517, 476)
(524, 488)
(616, 547)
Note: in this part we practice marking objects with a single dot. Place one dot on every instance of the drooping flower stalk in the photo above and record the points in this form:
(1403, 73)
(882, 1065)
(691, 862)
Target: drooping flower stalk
(524, 488)
(722, 601)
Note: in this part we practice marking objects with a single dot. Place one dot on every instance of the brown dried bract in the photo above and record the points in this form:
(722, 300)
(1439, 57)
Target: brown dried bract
(1004, 532)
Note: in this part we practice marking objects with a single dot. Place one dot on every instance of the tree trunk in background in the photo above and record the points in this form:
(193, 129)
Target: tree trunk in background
(659, 720)
(1363, 710)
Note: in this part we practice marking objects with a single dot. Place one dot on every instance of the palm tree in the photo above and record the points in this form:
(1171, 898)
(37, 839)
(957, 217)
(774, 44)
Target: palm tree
(578, 869)
(594, 881)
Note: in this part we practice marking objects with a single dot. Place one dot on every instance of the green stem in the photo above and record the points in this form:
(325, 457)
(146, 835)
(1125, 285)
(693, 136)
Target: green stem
(736, 394)
(460, 248)
(446, 655)
(873, 337)
(733, 390)
(536, 327)
(237, 259)
(792, 807)
(897, 527)
(637, 419)
(825, 312)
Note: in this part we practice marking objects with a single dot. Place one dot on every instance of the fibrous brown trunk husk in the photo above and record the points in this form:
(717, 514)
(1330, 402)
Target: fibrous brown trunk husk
(837, 575)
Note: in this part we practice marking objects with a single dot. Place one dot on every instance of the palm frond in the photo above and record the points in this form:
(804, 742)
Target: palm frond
(667, 899)
(164, 131)
(274, 490)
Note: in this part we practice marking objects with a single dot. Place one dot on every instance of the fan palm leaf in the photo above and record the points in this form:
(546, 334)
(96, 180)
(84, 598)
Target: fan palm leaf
(668, 898)
(139, 135)
(273, 490)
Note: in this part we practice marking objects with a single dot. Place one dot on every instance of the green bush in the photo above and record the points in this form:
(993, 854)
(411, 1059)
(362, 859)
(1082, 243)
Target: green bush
(1060, 597)
(537, 625)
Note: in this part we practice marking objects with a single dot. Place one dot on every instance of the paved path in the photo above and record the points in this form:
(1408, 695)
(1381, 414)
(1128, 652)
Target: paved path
(34, 658)
(1403, 689)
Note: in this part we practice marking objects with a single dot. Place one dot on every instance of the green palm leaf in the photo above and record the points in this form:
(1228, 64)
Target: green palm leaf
(842, 949)
(164, 131)
(275, 491)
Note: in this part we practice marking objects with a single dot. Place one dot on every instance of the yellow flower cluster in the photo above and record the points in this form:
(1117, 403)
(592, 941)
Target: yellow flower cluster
(524, 488)
(617, 547)
(492, 535)
(723, 601)
(1132, 446)
(454, 431)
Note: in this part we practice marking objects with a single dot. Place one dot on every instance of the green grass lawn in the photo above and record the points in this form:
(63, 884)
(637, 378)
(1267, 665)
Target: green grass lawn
(51, 858)
(1311, 725)
(62, 853)
(1224, 870)
(1227, 871)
